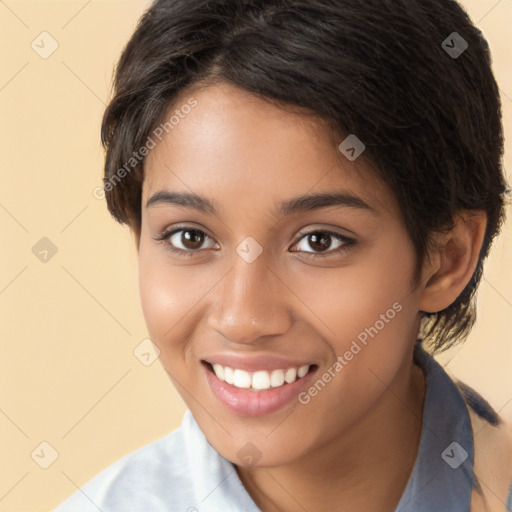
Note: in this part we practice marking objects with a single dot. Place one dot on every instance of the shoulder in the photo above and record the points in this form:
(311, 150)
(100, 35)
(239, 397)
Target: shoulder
(149, 476)
(174, 473)
(492, 435)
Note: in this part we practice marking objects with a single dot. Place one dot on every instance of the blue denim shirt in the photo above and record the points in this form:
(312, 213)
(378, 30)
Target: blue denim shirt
(183, 473)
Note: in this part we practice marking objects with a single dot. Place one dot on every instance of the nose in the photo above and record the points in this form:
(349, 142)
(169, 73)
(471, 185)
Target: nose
(250, 303)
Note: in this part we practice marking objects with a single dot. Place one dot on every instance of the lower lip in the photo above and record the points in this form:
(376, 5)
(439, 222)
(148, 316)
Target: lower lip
(255, 403)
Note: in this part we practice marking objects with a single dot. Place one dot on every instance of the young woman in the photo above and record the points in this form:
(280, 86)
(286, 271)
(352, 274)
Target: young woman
(313, 187)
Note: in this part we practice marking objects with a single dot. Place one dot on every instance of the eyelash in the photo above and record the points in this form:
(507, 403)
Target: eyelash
(347, 242)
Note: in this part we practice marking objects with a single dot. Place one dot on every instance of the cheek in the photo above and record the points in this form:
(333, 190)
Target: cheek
(366, 293)
(369, 311)
(169, 297)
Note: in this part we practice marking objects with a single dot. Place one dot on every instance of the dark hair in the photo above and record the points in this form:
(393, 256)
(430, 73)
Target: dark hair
(430, 120)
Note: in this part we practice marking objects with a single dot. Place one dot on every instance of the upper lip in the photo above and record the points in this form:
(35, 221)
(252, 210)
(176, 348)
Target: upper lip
(254, 363)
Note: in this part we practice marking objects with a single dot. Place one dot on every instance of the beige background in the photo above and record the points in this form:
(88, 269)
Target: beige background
(69, 326)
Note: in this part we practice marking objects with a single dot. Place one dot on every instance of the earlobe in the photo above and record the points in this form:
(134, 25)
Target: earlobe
(454, 261)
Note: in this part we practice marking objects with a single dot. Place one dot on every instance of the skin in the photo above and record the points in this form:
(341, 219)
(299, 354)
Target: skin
(353, 446)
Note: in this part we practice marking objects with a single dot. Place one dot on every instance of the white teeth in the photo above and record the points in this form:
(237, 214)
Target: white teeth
(259, 380)
(228, 374)
(219, 371)
(290, 375)
(302, 371)
(277, 378)
(241, 379)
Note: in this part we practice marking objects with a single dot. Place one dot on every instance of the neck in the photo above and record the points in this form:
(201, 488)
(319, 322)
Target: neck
(365, 469)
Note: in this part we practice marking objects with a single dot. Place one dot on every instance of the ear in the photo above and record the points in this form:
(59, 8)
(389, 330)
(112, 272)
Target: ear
(451, 264)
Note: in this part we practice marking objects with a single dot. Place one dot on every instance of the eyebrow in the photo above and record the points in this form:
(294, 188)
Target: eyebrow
(299, 204)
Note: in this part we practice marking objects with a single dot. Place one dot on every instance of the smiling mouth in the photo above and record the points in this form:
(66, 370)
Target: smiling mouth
(261, 380)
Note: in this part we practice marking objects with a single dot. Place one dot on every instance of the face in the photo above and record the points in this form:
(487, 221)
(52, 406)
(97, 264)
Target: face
(278, 318)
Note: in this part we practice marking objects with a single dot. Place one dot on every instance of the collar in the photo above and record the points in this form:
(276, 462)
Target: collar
(443, 476)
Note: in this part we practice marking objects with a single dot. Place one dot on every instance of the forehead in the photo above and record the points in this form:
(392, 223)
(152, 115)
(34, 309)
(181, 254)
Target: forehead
(236, 146)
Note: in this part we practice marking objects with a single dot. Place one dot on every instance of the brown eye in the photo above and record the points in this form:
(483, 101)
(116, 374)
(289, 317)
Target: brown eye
(323, 243)
(192, 239)
(186, 241)
(319, 241)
